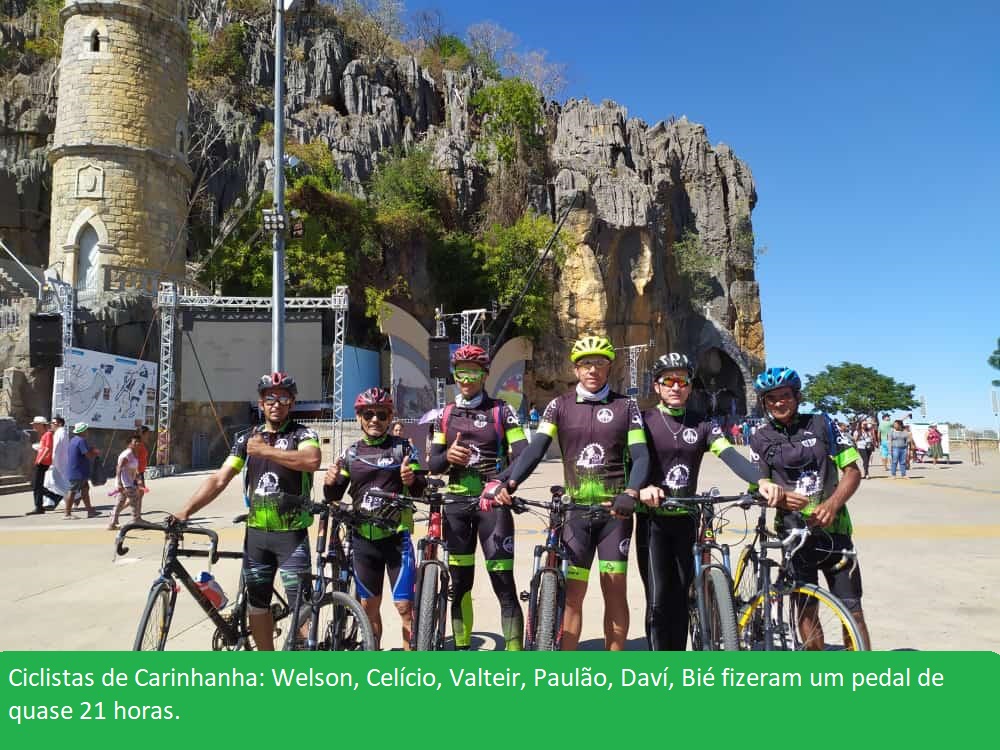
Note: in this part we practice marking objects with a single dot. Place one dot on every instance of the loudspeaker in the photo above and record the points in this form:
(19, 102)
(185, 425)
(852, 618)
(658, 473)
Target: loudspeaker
(45, 340)
(439, 356)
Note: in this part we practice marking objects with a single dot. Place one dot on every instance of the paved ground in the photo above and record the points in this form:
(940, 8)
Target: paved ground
(930, 555)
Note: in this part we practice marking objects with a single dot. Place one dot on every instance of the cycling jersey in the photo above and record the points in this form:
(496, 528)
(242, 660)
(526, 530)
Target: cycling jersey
(805, 458)
(492, 433)
(594, 437)
(375, 464)
(276, 494)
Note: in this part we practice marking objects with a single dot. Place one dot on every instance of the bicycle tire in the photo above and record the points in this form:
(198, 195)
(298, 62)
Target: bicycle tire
(745, 578)
(784, 608)
(546, 612)
(154, 624)
(425, 639)
(343, 624)
(717, 614)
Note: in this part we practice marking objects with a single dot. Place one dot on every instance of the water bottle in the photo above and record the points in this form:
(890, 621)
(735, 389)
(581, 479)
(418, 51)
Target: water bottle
(208, 586)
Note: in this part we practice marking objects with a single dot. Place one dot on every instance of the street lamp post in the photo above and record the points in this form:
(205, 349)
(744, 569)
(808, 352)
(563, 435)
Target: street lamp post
(278, 226)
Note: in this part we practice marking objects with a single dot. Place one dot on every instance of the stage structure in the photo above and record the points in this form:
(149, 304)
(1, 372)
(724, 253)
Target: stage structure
(170, 302)
(473, 322)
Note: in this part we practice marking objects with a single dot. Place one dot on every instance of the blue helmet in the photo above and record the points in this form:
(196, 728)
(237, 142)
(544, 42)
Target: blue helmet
(777, 377)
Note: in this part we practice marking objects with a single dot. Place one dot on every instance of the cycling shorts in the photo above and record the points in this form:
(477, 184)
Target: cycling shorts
(819, 553)
(267, 553)
(373, 558)
(609, 537)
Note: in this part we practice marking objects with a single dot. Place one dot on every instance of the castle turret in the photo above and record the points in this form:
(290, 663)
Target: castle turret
(120, 177)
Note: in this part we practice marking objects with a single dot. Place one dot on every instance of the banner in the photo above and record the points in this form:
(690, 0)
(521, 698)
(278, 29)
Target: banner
(583, 699)
(108, 391)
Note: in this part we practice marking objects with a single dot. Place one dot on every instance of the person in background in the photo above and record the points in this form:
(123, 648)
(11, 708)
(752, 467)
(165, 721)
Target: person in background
(43, 460)
(865, 439)
(142, 454)
(884, 428)
(129, 490)
(934, 451)
(80, 456)
(56, 480)
(397, 429)
(899, 445)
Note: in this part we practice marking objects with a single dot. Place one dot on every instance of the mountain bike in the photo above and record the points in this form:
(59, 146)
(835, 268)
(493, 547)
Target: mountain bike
(711, 608)
(546, 596)
(326, 598)
(232, 631)
(775, 612)
(433, 580)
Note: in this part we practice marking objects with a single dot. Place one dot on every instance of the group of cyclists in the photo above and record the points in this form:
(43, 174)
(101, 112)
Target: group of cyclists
(613, 454)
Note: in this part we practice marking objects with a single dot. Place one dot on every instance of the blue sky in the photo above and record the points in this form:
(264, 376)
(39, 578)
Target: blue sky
(872, 133)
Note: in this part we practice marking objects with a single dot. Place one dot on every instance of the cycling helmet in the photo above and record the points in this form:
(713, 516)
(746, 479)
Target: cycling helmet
(277, 380)
(471, 353)
(672, 361)
(592, 345)
(777, 377)
(373, 397)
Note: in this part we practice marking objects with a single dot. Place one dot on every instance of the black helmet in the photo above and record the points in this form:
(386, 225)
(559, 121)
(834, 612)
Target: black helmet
(672, 361)
(277, 380)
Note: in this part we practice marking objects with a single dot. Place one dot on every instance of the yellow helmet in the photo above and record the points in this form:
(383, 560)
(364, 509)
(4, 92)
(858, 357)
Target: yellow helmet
(592, 345)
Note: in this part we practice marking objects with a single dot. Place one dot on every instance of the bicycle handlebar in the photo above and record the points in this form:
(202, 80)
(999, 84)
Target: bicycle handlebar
(174, 527)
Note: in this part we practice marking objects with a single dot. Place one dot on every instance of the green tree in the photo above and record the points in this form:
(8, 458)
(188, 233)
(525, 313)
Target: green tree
(512, 117)
(695, 267)
(994, 361)
(508, 254)
(856, 390)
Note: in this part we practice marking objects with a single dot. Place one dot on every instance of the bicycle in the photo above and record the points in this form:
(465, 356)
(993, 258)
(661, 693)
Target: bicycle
(546, 596)
(711, 609)
(232, 632)
(786, 614)
(433, 580)
(337, 621)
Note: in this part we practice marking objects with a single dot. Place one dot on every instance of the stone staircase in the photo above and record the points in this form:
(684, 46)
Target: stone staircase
(13, 483)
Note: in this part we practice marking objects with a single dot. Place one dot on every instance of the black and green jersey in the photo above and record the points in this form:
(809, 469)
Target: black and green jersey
(678, 440)
(594, 437)
(806, 458)
(270, 487)
(375, 464)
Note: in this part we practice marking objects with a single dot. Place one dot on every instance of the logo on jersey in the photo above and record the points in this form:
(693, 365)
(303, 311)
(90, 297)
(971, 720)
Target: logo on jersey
(480, 421)
(281, 444)
(754, 456)
(591, 457)
(511, 419)
(843, 439)
(716, 430)
(242, 439)
(268, 483)
(605, 415)
(690, 435)
(678, 477)
(384, 461)
(808, 483)
(508, 544)
(474, 455)
(809, 442)
(623, 546)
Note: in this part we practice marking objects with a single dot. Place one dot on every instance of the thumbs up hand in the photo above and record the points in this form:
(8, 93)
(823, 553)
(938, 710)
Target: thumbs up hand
(458, 455)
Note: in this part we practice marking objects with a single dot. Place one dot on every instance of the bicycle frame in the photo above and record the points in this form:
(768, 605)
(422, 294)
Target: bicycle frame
(556, 559)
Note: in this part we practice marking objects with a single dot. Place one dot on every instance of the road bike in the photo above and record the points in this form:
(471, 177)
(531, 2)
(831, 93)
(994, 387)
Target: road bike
(232, 631)
(775, 612)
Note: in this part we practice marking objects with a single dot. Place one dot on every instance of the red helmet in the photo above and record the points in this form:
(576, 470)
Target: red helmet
(471, 353)
(373, 397)
(277, 380)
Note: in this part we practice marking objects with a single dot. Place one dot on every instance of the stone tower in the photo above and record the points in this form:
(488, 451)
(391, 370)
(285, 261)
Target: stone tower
(120, 177)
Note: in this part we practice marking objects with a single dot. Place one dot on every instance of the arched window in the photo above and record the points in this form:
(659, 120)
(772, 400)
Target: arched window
(86, 275)
(95, 41)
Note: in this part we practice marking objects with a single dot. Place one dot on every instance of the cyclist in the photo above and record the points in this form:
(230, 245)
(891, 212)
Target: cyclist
(605, 461)
(278, 458)
(386, 462)
(664, 537)
(803, 452)
(474, 439)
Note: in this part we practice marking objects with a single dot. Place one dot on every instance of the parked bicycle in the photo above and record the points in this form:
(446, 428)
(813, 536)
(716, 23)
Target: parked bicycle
(232, 632)
(777, 612)
(336, 619)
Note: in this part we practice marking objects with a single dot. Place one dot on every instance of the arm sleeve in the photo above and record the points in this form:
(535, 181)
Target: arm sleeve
(514, 434)
(740, 466)
(420, 483)
(640, 465)
(238, 455)
(438, 462)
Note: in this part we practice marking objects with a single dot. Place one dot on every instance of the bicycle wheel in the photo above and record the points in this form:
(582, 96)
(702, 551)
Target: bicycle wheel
(547, 611)
(343, 624)
(428, 618)
(806, 618)
(155, 621)
(745, 578)
(716, 613)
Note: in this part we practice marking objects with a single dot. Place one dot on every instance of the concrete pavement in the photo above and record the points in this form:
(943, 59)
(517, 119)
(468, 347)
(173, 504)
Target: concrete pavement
(929, 550)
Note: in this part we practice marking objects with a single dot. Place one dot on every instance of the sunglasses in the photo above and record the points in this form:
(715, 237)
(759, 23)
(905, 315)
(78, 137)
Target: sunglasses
(283, 400)
(469, 376)
(670, 382)
(594, 364)
(370, 414)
